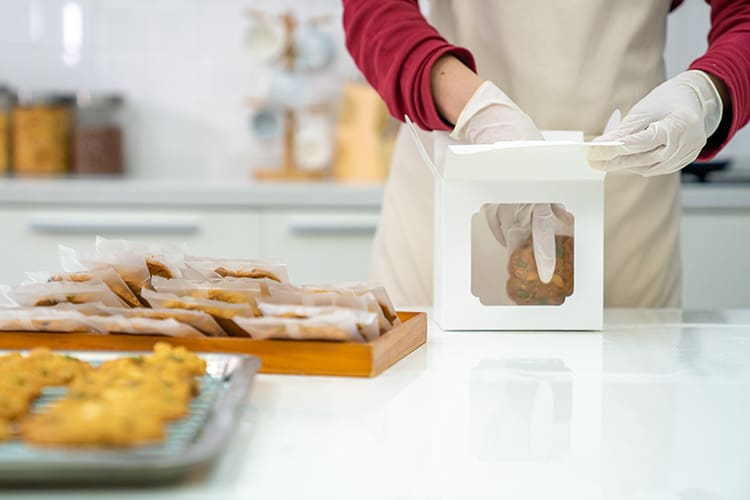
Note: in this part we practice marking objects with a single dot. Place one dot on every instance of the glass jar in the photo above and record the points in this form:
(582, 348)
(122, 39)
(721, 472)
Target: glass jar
(97, 136)
(7, 102)
(41, 135)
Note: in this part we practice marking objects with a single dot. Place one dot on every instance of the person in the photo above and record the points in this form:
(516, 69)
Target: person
(555, 65)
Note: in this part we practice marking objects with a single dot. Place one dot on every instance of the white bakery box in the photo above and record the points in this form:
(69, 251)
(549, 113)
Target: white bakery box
(478, 283)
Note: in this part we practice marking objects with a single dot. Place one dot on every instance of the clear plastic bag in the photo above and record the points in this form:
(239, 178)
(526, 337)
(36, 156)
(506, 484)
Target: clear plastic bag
(237, 268)
(231, 290)
(58, 292)
(43, 319)
(105, 275)
(374, 297)
(222, 312)
(118, 324)
(131, 268)
(299, 296)
(163, 260)
(310, 323)
(199, 320)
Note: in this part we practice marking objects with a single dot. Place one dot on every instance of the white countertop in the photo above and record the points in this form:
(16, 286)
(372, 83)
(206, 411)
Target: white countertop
(656, 407)
(239, 193)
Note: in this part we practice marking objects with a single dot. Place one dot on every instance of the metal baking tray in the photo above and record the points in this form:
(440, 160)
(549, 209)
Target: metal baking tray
(191, 443)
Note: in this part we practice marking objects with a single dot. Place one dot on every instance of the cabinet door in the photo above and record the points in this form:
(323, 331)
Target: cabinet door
(321, 246)
(715, 263)
(30, 237)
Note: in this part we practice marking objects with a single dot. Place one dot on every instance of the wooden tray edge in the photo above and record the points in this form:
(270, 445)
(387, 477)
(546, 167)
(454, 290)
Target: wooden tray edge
(291, 357)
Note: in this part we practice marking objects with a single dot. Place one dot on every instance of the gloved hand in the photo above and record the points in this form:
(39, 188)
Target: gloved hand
(665, 130)
(512, 224)
(491, 116)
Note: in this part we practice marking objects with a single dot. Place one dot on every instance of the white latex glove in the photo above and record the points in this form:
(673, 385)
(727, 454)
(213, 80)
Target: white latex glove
(665, 130)
(513, 224)
(491, 116)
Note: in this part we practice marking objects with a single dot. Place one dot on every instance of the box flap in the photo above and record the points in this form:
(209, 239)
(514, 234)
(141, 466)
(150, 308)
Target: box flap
(522, 160)
(420, 147)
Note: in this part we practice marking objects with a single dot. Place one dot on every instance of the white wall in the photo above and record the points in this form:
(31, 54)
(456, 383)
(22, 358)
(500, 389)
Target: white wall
(182, 66)
(180, 63)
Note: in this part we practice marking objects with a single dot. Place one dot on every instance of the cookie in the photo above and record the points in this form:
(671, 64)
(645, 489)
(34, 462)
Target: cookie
(524, 286)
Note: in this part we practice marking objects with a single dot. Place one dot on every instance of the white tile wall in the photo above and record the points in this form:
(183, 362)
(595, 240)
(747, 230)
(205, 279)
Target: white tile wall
(182, 66)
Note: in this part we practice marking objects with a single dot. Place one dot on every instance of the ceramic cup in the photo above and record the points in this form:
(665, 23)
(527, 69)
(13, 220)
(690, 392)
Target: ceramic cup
(313, 145)
(266, 124)
(266, 38)
(314, 49)
(288, 89)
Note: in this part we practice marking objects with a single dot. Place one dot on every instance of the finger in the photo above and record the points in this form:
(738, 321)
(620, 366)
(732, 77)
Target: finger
(669, 165)
(543, 239)
(638, 150)
(613, 122)
(631, 124)
(492, 217)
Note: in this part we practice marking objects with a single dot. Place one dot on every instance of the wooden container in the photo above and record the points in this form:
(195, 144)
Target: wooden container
(294, 357)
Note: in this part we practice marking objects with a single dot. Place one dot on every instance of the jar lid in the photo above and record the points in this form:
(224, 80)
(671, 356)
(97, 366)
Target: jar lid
(31, 98)
(87, 100)
(7, 96)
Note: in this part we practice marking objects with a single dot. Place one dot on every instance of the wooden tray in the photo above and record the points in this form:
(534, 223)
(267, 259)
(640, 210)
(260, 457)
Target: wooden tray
(299, 357)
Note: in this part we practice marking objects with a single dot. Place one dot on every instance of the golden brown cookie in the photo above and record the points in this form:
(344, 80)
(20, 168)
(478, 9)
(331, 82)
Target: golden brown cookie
(241, 273)
(93, 422)
(156, 268)
(524, 286)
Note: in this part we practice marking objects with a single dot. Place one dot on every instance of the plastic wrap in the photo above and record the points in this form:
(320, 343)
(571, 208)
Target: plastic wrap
(58, 292)
(222, 312)
(231, 290)
(43, 319)
(105, 275)
(163, 260)
(199, 320)
(310, 323)
(238, 268)
(118, 324)
(131, 268)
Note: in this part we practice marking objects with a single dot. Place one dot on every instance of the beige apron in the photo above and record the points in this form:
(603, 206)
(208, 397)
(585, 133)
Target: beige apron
(568, 64)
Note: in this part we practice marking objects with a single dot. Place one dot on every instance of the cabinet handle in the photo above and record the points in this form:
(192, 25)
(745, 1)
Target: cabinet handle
(333, 227)
(54, 223)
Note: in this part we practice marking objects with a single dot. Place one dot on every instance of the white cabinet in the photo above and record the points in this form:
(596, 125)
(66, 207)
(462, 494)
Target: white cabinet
(321, 246)
(715, 259)
(30, 235)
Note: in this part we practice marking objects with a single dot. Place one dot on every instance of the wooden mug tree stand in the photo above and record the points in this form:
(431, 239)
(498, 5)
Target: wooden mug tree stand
(288, 171)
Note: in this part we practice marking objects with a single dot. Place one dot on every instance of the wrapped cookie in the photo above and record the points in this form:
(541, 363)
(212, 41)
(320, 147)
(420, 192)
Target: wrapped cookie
(132, 269)
(524, 286)
(162, 260)
(231, 290)
(284, 294)
(105, 275)
(373, 293)
(366, 322)
(59, 292)
(334, 324)
(199, 320)
(222, 312)
(118, 324)
(45, 319)
(237, 268)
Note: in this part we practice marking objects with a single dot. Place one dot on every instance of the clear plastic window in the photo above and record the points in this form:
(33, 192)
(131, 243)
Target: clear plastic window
(522, 254)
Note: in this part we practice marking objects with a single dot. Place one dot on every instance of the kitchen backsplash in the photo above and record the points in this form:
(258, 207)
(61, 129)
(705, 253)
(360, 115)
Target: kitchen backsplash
(186, 75)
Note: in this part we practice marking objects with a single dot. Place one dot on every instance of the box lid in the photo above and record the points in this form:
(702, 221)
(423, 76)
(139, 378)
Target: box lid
(514, 160)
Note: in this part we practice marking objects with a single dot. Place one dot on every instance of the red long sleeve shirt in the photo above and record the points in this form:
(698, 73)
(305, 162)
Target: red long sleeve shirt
(395, 47)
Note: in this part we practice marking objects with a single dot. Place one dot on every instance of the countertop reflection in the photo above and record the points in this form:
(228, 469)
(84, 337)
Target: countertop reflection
(655, 407)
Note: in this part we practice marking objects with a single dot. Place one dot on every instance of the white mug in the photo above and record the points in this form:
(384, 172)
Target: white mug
(314, 49)
(266, 38)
